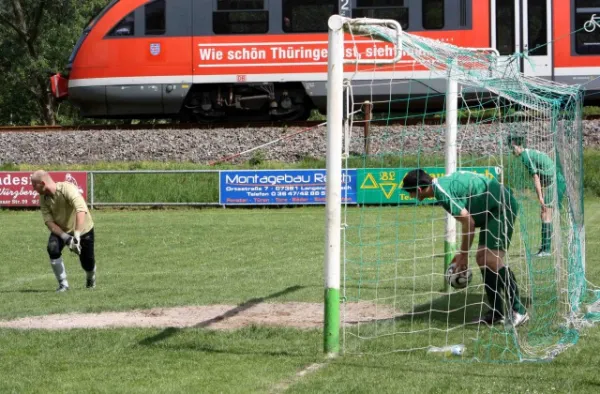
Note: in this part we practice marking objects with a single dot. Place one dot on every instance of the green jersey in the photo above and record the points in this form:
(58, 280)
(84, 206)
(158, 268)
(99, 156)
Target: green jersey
(476, 193)
(538, 163)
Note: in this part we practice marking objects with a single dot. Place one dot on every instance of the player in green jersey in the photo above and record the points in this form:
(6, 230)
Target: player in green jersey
(542, 169)
(477, 201)
(66, 215)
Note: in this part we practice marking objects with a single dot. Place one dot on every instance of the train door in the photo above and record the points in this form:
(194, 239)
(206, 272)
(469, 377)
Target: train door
(505, 26)
(537, 36)
(521, 26)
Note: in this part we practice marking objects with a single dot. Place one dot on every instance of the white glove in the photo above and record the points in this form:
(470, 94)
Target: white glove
(73, 243)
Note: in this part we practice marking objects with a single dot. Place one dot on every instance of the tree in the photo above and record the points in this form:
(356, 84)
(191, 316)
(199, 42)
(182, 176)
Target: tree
(36, 37)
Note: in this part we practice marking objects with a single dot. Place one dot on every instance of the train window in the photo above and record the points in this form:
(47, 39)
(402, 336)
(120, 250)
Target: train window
(379, 3)
(433, 14)
(382, 9)
(155, 17)
(240, 17)
(241, 22)
(586, 43)
(505, 26)
(125, 27)
(228, 5)
(307, 16)
(537, 28)
(463, 13)
(588, 4)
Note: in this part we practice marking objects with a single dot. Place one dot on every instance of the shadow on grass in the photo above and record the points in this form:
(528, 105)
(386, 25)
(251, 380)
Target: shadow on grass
(455, 308)
(28, 291)
(225, 349)
(170, 331)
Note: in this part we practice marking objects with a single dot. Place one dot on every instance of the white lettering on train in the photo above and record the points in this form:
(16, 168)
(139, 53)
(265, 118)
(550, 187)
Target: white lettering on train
(210, 54)
(301, 53)
(316, 54)
(247, 54)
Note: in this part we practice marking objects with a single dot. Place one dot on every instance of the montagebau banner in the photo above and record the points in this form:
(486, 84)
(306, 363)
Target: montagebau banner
(281, 187)
(16, 190)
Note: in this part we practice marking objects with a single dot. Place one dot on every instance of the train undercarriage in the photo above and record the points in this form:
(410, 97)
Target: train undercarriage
(253, 101)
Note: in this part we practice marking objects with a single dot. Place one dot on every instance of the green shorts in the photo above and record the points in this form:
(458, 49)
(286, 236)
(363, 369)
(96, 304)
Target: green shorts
(549, 192)
(497, 232)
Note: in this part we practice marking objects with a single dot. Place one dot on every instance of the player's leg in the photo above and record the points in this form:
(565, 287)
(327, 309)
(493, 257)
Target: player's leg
(87, 259)
(561, 188)
(488, 265)
(494, 241)
(502, 227)
(55, 247)
(546, 216)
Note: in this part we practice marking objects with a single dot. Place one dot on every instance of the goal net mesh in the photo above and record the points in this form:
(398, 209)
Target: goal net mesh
(393, 246)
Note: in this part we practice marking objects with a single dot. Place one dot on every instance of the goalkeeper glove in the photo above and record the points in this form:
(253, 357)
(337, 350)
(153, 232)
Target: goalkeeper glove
(73, 242)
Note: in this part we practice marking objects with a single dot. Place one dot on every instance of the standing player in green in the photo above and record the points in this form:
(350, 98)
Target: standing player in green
(477, 201)
(541, 167)
(66, 215)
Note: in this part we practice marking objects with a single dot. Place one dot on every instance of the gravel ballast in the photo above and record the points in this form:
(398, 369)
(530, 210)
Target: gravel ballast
(203, 146)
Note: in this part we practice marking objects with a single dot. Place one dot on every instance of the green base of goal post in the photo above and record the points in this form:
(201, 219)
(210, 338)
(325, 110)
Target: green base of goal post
(449, 252)
(332, 321)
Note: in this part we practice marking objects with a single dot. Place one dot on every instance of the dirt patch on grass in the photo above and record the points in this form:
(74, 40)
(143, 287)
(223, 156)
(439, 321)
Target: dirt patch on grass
(217, 317)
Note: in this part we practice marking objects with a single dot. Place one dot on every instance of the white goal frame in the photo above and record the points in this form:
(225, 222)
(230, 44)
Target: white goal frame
(335, 115)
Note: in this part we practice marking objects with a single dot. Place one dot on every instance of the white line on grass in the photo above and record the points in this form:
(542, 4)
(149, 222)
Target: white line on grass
(287, 383)
(22, 280)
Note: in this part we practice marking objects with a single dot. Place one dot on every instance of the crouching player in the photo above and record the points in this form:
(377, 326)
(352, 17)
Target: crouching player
(478, 202)
(66, 215)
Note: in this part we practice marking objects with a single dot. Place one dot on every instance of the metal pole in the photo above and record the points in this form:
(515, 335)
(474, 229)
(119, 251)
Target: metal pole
(451, 132)
(368, 117)
(335, 115)
(92, 189)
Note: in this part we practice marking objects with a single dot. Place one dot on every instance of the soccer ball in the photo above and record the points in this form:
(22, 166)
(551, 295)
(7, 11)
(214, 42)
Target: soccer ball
(458, 280)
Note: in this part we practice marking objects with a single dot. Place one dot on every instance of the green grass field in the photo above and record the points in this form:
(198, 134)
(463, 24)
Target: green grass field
(179, 257)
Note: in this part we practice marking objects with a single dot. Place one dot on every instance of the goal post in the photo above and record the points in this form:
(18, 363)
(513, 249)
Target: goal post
(335, 109)
(451, 155)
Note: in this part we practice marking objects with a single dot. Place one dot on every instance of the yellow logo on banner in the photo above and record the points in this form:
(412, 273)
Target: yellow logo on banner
(390, 186)
(372, 182)
(386, 184)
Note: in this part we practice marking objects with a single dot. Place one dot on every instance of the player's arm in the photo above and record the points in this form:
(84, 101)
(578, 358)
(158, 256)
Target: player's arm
(80, 207)
(55, 229)
(468, 234)
(538, 188)
(49, 221)
(79, 221)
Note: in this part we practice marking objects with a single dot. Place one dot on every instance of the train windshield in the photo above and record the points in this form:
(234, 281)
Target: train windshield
(97, 15)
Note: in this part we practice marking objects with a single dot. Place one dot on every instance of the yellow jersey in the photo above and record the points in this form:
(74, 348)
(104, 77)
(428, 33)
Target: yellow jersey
(62, 207)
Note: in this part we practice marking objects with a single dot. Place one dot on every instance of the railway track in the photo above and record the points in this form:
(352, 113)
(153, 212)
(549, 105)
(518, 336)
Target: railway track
(228, 125)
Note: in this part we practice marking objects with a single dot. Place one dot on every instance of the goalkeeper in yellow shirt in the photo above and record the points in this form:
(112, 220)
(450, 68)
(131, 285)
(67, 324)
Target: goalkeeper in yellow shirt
(66, 215)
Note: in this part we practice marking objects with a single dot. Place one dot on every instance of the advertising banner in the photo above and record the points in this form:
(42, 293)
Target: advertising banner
(16, 190)
(384, 185)
(281, 187)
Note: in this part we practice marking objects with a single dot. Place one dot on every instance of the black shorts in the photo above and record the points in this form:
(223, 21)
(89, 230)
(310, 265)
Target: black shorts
(86, 258)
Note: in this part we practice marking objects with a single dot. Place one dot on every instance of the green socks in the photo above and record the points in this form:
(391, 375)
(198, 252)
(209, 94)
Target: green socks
(546, 236)
(505, 280)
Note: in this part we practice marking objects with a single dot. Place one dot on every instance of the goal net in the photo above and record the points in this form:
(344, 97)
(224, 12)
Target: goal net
(443, 109)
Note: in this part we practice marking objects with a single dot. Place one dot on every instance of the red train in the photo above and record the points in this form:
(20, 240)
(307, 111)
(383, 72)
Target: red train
(211, 59)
